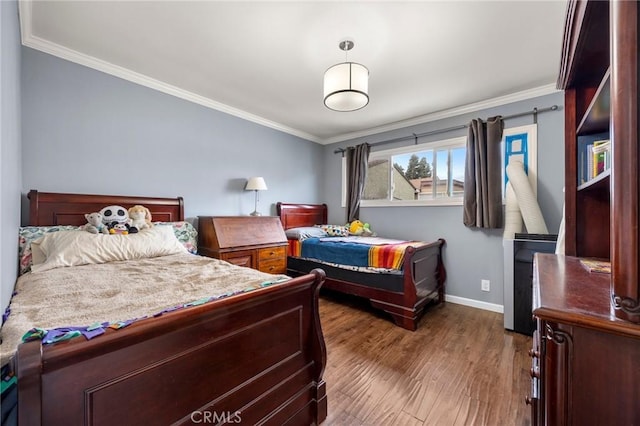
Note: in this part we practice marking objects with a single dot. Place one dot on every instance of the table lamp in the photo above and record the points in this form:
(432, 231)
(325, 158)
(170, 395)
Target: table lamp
(256, 184)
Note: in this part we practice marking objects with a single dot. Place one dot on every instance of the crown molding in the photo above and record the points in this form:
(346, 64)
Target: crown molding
(448, 113)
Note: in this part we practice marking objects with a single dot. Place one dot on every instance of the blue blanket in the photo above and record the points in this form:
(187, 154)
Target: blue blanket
(336, 252)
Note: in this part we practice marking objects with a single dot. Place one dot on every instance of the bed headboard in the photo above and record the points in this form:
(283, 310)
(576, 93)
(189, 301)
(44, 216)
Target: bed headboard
(298, 215)
(52, 208)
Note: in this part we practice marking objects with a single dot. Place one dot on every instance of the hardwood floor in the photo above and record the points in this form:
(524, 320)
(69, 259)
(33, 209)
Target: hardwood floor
(459, 368)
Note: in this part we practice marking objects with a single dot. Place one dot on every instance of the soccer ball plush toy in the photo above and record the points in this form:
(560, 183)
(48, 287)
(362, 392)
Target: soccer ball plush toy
(116, 218)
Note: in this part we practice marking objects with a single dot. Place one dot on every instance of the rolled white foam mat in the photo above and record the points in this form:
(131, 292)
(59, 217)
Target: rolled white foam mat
(512, 216)
(529, 208)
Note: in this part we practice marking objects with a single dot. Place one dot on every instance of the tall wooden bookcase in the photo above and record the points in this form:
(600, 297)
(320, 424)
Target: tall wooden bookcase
(586, 346)
(599, 74)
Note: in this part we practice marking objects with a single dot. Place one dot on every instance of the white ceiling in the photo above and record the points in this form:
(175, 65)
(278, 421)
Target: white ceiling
(264, 61)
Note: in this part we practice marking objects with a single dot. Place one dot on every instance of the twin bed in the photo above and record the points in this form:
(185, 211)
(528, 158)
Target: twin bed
(253, 353)
(413, 276)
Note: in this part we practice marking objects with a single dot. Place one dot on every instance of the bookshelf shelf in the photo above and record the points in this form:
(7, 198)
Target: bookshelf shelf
(596, 118)
(598, 183)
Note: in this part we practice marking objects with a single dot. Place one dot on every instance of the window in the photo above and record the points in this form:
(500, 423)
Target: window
(426, 174)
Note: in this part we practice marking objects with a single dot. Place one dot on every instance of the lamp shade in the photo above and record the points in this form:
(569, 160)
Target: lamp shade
(256, 184)
(346, 87)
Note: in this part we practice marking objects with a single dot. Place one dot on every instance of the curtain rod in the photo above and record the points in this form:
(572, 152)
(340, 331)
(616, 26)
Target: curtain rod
(415, 137)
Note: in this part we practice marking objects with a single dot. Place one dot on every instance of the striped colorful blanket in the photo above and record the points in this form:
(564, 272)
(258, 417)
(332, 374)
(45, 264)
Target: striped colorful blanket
(389, 255)
(355, 251)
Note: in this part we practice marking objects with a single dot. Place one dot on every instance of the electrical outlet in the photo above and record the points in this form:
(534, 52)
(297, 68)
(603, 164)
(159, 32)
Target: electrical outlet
(485, 285)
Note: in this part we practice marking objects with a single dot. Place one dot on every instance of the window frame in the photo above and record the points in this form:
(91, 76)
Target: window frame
(387, 154)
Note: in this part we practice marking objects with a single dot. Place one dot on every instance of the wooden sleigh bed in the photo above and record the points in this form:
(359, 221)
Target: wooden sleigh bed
(256, 357)
(403, 295)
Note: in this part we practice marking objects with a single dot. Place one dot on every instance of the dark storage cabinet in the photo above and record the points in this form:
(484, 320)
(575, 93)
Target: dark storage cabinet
(524, 247)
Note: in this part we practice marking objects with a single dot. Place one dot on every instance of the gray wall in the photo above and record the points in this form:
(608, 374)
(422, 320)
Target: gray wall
(10, 161)
(89, 132)
(85, 131)
(470, 255)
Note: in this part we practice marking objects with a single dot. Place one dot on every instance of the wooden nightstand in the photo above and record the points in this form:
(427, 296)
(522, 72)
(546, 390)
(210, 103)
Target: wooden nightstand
(256, 242)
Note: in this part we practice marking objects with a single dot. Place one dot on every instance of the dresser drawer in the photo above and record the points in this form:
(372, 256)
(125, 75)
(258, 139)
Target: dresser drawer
(272, 253)
(534, 399)
(273, 266)
(240, 258)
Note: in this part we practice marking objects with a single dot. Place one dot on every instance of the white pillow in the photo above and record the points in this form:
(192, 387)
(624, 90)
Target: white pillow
(73, 248)
(305, 232)
(37, 255)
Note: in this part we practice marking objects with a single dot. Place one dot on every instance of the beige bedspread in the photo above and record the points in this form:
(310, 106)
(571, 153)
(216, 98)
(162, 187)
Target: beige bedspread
(118, 291)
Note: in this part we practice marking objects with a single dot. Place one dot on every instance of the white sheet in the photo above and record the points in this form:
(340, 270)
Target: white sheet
(370, 241)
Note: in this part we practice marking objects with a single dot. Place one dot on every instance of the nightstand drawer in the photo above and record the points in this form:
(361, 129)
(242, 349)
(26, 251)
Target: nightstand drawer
(272, 253)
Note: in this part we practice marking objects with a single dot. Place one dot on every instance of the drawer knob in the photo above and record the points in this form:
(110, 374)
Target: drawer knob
(535, 373)
(528, 400)
(534, 353)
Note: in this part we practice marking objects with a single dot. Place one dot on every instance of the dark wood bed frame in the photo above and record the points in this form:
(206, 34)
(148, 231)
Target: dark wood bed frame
(254, 358)
(424, 274)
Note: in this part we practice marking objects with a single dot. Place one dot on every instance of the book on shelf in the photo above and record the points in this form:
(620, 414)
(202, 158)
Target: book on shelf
(601, 152)
(596, 265)
(594, 158)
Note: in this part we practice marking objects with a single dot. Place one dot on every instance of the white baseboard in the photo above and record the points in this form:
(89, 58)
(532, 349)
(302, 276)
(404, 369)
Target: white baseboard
(474, 303)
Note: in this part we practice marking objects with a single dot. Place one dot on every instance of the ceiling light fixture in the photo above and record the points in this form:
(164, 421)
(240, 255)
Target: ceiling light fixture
(346, 85)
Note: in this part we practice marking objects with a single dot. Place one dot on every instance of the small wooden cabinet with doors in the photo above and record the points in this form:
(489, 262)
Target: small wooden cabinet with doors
(257, 242)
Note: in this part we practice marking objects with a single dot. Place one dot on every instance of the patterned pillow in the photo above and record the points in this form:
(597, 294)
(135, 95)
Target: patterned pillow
(335, 230)
(26, 235)
(185, 233)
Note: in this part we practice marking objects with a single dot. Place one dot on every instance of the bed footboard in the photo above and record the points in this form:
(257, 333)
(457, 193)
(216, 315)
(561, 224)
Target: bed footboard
(424, 278)
(403, 296)
(254, 358)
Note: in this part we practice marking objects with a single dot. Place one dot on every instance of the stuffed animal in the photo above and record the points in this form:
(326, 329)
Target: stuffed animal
(140, 217)
(358, 228)
(366, 231)
(117, 215)
(94, 224)
(119, 228)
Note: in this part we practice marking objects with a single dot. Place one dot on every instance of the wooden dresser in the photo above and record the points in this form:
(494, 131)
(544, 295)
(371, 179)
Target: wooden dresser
(585, 361)
(257, 242)
(586, 349)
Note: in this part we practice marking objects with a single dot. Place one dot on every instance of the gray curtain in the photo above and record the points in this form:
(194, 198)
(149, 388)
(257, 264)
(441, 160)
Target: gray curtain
(357, 165)
(483, 174)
